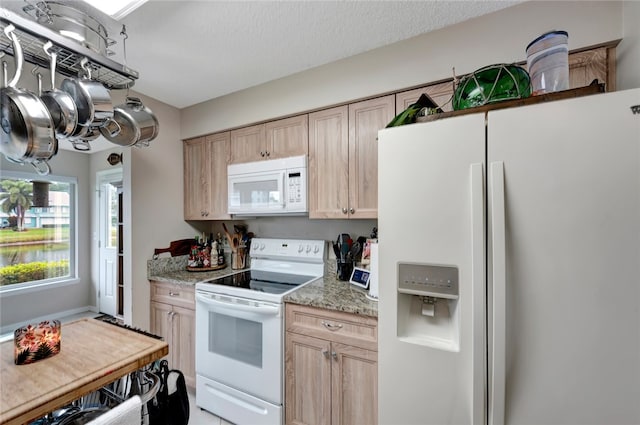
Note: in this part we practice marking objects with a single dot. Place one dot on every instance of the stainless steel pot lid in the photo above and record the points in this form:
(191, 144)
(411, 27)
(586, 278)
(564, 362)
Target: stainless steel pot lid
(14, 129)
(24, 123)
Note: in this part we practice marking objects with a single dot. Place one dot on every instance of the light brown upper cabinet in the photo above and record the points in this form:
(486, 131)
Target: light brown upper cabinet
(272, 140)
(343, 158)
(205, 177)
(440, 93)
(586, 66)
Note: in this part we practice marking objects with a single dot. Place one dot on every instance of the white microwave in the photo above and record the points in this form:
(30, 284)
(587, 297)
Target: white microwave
(271, 187)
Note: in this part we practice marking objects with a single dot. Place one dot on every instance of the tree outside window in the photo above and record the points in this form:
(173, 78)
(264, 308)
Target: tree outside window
(36, 242)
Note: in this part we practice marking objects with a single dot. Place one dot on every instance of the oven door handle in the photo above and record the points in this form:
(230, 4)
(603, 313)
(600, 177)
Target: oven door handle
(262, 309)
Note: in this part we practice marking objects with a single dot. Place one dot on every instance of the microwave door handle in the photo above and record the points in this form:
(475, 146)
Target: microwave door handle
(266, 310)
(284, 189)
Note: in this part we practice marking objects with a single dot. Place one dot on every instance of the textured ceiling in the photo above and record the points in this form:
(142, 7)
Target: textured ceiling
(188, 51)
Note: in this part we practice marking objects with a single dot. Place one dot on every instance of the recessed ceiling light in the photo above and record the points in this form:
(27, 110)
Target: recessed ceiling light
(116, 8)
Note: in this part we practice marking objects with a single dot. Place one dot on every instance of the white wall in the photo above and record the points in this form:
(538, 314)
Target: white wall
(629, 48)
(15, 309)
(498, 37)
(155, 176)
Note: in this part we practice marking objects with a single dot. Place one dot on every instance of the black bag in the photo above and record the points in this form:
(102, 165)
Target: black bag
(171, 405)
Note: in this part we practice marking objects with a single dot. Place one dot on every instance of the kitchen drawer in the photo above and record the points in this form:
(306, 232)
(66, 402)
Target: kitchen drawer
(347, 328)
(173, 294)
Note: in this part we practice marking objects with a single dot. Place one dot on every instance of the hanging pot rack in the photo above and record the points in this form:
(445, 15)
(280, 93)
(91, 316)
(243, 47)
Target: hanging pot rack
(33, 36)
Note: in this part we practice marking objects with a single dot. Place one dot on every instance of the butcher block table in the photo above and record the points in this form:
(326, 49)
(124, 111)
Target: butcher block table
(92, 354)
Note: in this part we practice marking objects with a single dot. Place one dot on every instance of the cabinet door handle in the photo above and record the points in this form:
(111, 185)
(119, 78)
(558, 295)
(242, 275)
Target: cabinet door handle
(351, 210)
(262, 154)
(174, 294)
(334, 355)
(268, 153)
(344, 211)
(325, 353)
(331, 326)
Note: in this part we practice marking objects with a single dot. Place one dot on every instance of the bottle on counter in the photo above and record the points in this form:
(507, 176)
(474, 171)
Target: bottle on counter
(220, 250)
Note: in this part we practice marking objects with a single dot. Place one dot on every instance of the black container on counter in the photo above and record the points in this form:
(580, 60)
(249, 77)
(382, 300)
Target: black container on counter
(344, 268)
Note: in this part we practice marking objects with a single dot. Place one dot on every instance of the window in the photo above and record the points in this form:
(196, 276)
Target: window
(37, 236)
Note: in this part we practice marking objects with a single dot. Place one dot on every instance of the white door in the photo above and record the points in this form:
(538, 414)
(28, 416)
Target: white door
(108, 227)
(431, 368)
(568, 351)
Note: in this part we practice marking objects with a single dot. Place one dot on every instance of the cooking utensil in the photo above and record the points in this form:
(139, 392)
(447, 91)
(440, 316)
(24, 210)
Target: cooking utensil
(60, 104)
(77, 22)
(179, 247)
(336, 249)
(132, 123)
(91, 98)
(233, 243)
(27, 129)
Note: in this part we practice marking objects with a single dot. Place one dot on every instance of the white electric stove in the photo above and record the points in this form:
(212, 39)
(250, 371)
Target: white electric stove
(240, 330)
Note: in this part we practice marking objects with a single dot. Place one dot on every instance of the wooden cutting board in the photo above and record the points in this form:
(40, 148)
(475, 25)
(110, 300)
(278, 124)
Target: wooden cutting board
(179, 247)
(92, 355)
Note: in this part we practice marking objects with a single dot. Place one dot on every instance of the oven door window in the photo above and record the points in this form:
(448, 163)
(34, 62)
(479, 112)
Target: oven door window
(236, 338)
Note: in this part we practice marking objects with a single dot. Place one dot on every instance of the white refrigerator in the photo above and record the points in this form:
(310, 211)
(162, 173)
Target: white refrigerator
(509, 274)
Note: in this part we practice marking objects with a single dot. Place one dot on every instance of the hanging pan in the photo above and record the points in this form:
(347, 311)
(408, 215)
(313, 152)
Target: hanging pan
(27, 133)
(62, 108)
(91, 98)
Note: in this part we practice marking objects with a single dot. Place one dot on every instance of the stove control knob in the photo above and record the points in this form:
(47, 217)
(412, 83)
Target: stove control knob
(300, 248)
(308, 248)
(316, 249)
(262, 246)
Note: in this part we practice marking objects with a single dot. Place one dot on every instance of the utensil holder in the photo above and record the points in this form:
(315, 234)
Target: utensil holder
(344, 268)
(238, 258)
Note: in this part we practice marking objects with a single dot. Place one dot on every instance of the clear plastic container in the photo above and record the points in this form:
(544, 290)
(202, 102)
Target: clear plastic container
(548, 62)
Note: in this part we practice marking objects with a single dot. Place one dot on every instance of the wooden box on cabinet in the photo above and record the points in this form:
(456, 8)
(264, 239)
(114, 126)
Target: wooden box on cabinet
(584, 67)
(173, 318)
(205, 177)
(343, 158)
(272, 140)
(330, 367)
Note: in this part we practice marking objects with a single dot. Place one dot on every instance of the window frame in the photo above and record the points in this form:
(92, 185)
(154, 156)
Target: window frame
(73, 278)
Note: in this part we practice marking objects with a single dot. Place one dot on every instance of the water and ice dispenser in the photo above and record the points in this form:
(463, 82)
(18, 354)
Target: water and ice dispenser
(428, 312)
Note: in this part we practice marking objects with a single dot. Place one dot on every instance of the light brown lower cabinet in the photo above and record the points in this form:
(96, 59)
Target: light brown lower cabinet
(173, 318)
(331, 367)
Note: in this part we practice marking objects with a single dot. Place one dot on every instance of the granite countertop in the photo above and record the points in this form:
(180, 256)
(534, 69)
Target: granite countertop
(327, 292)
(333, 294)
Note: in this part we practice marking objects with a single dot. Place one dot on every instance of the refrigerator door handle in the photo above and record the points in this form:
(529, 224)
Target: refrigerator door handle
(478, 285)
(498, 273)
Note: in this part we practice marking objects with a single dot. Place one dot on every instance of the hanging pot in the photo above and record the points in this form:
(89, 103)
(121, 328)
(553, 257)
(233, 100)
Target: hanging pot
(27, 133)
(76, 21)
(91, 98)
(62, 108)
(86, 134)
(132, 124)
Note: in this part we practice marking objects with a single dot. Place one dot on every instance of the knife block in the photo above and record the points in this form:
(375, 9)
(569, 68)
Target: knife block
(344, 268)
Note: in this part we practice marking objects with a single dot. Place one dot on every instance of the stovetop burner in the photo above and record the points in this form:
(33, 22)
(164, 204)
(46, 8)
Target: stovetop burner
(262, 281)
(278, 267)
